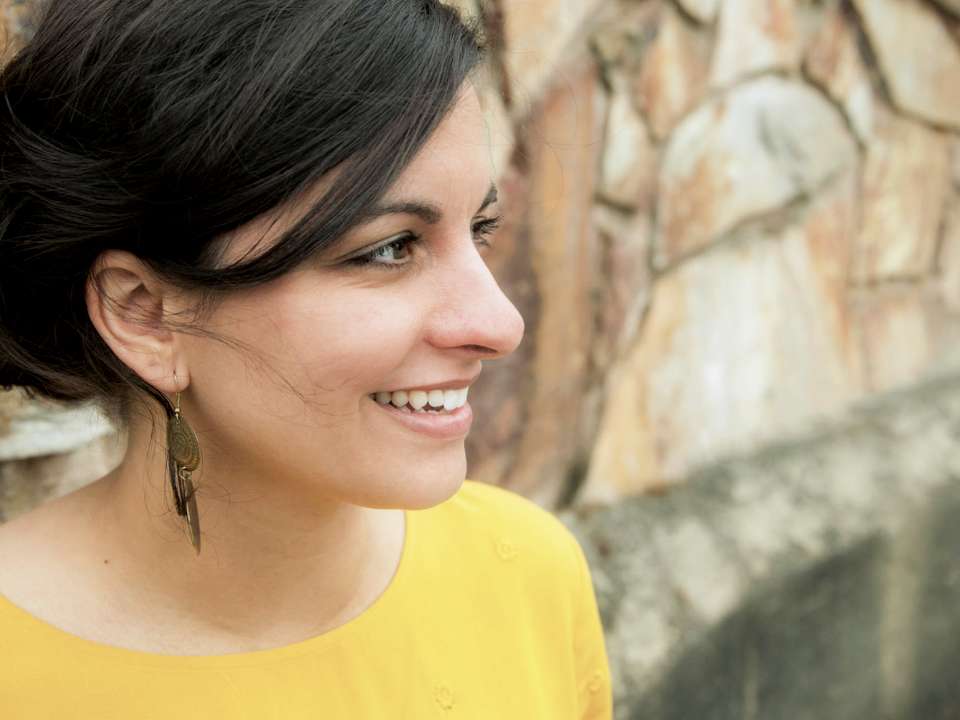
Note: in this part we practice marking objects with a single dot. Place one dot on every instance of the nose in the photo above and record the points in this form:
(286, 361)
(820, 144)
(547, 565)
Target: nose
(471, 312)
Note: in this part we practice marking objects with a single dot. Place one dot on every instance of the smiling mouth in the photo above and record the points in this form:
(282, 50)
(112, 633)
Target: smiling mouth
(421, 401)
(434, 422)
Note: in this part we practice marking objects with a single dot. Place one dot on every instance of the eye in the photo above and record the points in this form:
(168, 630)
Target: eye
(393, 254)
(483, 229)
(396, 253)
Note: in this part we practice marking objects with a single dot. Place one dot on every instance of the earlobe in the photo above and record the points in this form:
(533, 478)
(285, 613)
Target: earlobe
(126, 304)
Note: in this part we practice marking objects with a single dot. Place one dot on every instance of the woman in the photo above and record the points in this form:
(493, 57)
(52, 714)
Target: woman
(254, 232)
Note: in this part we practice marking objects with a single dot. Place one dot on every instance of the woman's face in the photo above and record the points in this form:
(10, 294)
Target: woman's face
(298, 407)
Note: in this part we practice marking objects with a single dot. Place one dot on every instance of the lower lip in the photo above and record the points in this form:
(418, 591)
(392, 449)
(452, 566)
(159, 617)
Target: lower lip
(441, 425)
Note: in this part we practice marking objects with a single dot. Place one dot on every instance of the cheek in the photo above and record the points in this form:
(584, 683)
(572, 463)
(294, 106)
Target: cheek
(346, 343)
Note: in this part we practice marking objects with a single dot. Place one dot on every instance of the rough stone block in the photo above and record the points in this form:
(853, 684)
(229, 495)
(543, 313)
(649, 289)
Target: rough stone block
(629, 162)
(742, 155)
(670, 75)
(919, 58)
(835, 63)
(906, 178)
(31, 428)
(753, 36)
(741, 345)
(538, 36)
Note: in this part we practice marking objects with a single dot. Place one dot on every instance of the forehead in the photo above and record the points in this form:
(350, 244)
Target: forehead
(456, 160)
(453, 168)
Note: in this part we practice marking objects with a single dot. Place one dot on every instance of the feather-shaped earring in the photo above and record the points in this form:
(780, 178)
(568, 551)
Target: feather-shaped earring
(183, 458)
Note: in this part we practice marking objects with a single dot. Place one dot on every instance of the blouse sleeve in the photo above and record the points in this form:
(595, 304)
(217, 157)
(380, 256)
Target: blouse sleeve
(594, 689)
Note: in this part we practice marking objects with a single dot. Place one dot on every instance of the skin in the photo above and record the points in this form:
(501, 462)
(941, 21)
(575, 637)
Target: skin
(304, 478)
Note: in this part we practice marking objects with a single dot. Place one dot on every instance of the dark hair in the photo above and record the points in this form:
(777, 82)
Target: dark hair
(156, 126)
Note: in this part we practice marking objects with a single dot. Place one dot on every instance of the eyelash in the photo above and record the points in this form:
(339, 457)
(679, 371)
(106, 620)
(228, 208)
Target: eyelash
(483, 229)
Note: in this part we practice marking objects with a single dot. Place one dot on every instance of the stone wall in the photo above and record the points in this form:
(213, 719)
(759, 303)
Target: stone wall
(731, 220)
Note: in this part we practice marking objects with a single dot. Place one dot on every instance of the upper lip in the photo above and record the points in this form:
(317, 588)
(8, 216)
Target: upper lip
(456, 383)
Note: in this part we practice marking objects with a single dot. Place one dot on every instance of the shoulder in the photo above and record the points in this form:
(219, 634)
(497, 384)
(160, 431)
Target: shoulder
(505, 509)
(41, 549)
(514, 527)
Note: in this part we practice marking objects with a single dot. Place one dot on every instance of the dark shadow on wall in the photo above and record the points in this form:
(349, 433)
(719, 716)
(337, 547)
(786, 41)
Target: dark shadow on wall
(810, 646)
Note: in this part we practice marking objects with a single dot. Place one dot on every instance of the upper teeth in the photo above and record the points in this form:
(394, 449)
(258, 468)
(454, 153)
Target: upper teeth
(418, 399)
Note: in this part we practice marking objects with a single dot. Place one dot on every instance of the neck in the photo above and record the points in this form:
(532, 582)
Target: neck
(274, 568)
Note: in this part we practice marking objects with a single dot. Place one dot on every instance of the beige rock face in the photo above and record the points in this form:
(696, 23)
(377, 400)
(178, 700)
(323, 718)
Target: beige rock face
(919, 58)
(894, 317)
(702, 10)
(670, 76)
(622, 283)
(623, 32)
(835, 63)
(743, 344)
(905, 181)
(15, 25)
(11, 404)
(955, 160)
(743, 155)
(538, 36)
(556, 227)
(31, 428)
(948, 263)
(629, 163)
(28, 482)
(752, 36)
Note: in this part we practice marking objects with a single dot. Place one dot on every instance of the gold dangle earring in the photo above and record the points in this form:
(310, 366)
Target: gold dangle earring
(183, 458)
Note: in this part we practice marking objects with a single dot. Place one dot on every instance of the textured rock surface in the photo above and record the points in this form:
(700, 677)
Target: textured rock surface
(753, 36)
(949, 260)
(629, 162)
(539, 36)
(555, 227)
(16, 22)
(28, 482)
(30, 428)
(906, 177)
(919, 58)
(755, 330)
(834, 61)
(955, 161)
(702, 10)
(623, 283)
(742, 155)
(894, 316)
(564, 149)
(671, 74)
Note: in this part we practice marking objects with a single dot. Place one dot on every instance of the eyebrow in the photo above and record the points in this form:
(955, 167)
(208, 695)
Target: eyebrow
(430, 214)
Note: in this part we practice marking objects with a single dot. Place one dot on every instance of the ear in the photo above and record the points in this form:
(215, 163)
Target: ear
(128, 306)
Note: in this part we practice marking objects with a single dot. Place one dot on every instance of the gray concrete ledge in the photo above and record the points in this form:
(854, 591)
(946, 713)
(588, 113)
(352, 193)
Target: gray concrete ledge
(817, 579)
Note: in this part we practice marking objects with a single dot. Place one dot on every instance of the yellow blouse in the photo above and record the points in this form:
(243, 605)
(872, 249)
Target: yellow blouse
(491, 615)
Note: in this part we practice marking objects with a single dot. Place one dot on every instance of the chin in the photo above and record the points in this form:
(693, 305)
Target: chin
(421, 488)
